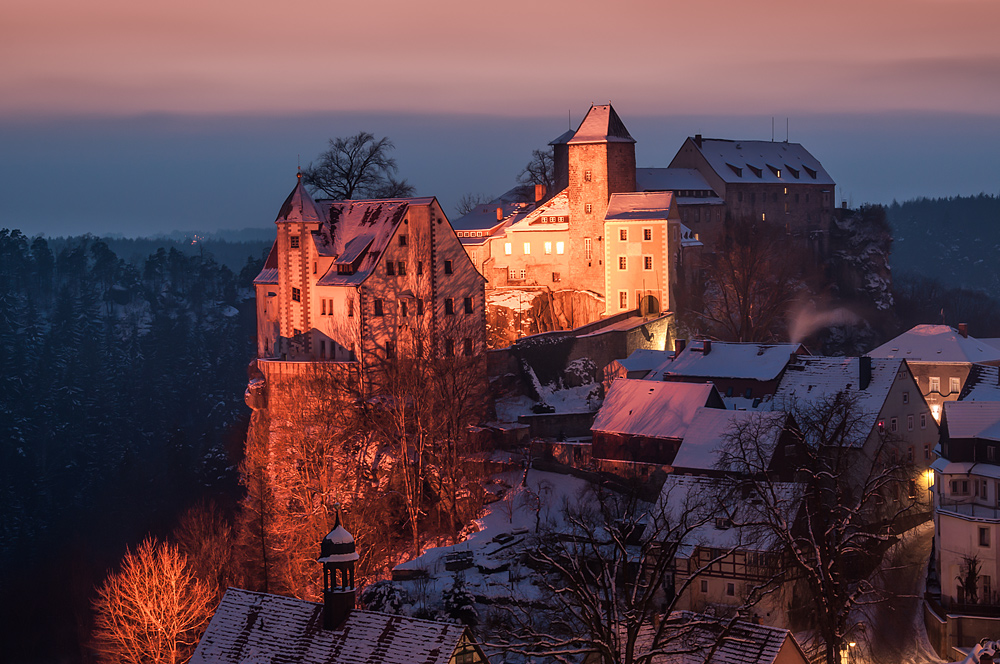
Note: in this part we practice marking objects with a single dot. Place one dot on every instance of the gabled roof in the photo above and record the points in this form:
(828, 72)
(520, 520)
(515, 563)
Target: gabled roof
(269, 273)
(299, 204)
(552, 215)
(562, 138)
(762, 161)
(262, 628)
(671, 179)
(730, 360)
(711, 430)
(811, 380)
(983, 384)
(639, 206)
(972, 419)
(601, 125)
(513, 204)
(937, 343)
(653, 409)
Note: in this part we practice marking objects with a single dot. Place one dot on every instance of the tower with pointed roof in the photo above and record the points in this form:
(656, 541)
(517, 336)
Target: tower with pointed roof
(600, 161)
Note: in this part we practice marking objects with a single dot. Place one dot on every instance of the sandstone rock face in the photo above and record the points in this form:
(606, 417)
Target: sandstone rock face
(514, 313)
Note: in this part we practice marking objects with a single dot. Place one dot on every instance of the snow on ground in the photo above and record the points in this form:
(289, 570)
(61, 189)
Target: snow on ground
(513, 299)
(582, 399)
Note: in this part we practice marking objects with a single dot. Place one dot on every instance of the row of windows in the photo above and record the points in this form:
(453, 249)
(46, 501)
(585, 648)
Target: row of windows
(547, 248)
(647, 262)
(980, 489)
(763, 197)
(647, 234)
(934, 384)
(399, 268)
(894, 421)
(403, 307)
(449, 348)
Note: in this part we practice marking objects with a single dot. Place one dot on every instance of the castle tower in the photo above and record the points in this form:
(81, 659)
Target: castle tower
(297, 218)
(600, 162)
(338, 555)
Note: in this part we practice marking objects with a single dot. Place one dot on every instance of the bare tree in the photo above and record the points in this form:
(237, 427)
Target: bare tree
(607, 574)
(753, 278)
(205, 536)
(358, 165)
(540, 170)
(469, 202)
(152, 610)
(855, 502)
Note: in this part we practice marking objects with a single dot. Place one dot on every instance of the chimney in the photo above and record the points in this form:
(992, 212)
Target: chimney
(843, 205)
(338, 556)
(697, 140)
(499, 214)
(865, 372)
(679, 346)
(539, 192)
(963, 329)
(706, 346)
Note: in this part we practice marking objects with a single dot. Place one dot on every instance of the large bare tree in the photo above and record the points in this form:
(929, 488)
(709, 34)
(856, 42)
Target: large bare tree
(151, 610)
(358, 166)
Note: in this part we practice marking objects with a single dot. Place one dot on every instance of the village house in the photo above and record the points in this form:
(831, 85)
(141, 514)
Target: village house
(260, 627)
(940, 358)
(353, 284)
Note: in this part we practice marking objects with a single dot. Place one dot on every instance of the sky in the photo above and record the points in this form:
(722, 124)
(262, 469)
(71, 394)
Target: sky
(136, 118)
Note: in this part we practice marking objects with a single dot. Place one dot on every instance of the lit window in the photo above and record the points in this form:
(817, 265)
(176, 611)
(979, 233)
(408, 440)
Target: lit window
(527, 248)
(647, 262)
(548, 247)
(561, 247)
(623, 299)
(647, 234)
(934, 384)
(506, 248)
(623, 234)
(622, 262)
(953, 385)
(296, 294)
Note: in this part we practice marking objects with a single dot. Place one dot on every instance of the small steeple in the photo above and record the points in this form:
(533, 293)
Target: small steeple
(337, 554)
(299, 203)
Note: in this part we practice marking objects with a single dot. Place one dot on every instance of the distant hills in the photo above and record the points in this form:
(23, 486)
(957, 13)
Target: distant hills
(953, 240)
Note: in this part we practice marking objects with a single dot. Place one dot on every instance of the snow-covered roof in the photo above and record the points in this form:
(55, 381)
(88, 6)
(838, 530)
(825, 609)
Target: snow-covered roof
(711, 429)
(671, 179)
(689, 238)
(937, 343)
(562, 138)
(654, 409)
(258, 627)
(513, 204)
(639, 206)
(744, 643)
(300, 205)
(812, 379)
(269, 273)
(601, 125)
(730, 360)
(983, 384)
(644, 359)
(973, 419)
(552, 215)
(967, 468)
(762, 161)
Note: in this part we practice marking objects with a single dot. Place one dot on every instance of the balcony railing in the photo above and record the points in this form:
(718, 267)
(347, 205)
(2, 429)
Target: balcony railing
(969, 509)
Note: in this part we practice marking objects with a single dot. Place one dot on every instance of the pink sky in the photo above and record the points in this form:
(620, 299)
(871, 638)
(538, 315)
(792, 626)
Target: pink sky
(519, 57)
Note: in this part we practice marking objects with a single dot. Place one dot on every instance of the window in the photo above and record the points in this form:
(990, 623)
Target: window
(447, 267)
(548, 247)
(991, 453)
(449, 347)
(906, 397)
(420, 267)
(587, 249)
(390, 268)
(556, 276)
(296, 294)
(893, 425)
(390, 349)
(323, 312)
(588, 208)
(560, 247)
(731, 589)
(622, 262)
(506, 248)
(953, 385)
(468, 305)
(293, 242)
(588, 176)
(378, 307)
(647, 262)
(401, 268)
(984, 536)
(623, 299)
(647, 234)
(402, 240)
(315, 267)
(420, 307)
(704, 585)
(935, 384)
(402, 308)
(322, 348)
(923, 420)
(449, 305)
(909, 454)
(527, 248)
(960, 487)
(623, 234)
(467, 346)
(987, 593)
(909, 422)
(350, 307)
